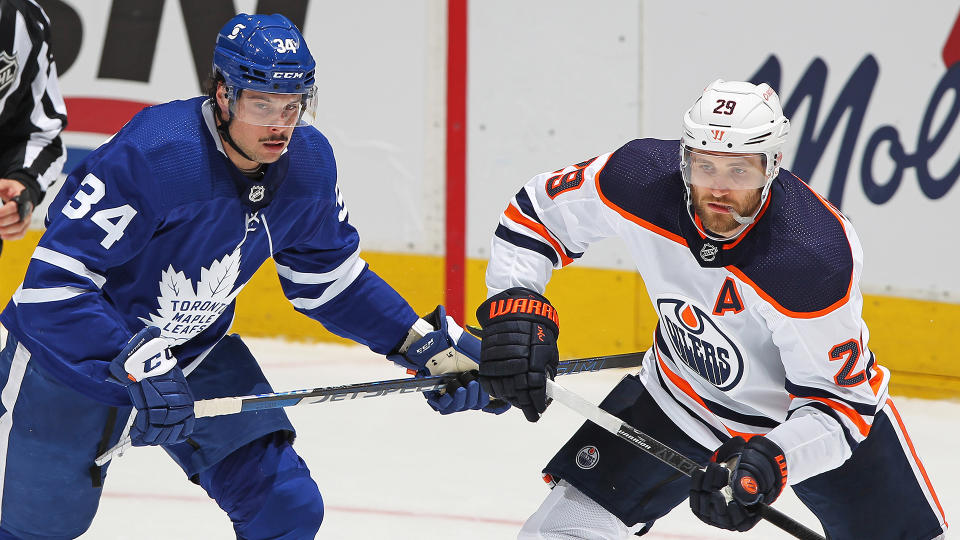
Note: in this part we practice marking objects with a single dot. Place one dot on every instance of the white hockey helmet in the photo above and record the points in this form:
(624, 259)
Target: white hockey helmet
(739, 118)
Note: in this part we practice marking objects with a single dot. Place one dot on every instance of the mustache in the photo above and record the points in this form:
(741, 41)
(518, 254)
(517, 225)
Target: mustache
(275, 138)
(707, 199)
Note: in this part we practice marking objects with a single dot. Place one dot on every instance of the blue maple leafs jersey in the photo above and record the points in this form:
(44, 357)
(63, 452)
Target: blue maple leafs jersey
(157, 227)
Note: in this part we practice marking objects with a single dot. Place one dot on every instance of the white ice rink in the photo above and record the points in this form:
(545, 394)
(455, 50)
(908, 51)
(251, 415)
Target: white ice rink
(391, 468)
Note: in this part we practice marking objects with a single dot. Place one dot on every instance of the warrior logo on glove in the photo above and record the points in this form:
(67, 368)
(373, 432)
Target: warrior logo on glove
(519, 348)
(505, 307)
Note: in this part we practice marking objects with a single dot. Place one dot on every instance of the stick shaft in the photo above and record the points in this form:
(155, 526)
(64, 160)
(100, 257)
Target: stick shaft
(232, 405)
(662, 452)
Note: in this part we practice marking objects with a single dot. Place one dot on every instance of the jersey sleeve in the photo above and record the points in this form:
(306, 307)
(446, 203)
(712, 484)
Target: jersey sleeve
(835, 385)
(325, 278)
(547, 225)
(101, 218)
(32, 111)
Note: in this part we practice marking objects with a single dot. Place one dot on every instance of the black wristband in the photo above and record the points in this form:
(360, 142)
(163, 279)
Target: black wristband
(31, 185)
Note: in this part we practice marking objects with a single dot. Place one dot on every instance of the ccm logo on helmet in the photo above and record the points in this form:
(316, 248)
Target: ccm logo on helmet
(287, 75)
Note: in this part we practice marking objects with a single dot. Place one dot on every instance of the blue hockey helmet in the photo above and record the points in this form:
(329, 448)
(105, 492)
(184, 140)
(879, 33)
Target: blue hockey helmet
(266, 53)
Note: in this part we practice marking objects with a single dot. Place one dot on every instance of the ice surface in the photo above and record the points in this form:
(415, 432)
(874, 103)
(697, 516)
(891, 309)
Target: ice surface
(391, 468)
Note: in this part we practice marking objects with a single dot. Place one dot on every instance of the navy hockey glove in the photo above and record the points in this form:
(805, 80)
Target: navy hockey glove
(519, 349)
(755, 471)
(157, 388)
(435, 345)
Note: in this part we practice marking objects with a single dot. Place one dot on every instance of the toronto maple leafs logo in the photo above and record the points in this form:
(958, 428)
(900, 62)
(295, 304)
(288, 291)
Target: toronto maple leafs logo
(185, 311)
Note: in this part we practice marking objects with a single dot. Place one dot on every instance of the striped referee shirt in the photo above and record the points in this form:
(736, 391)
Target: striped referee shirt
(32, 112)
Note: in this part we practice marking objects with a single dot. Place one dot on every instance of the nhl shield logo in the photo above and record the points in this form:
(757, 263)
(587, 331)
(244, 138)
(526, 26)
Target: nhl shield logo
(256, 193)
(588, 457)
(708, 252)
(8, 71)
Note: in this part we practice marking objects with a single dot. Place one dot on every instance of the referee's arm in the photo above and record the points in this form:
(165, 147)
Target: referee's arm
(32, 114)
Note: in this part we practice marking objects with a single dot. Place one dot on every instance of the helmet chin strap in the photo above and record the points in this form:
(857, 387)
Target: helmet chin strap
(740, 219)
(223, 128)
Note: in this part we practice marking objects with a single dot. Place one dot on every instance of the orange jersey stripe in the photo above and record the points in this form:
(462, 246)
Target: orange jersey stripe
(513, 214)
(877, 379)
(862, 426)
(685, 387)
(916, 458)
(795, 314)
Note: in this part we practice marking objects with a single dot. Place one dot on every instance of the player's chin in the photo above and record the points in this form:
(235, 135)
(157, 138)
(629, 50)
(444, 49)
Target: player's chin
(271, 155)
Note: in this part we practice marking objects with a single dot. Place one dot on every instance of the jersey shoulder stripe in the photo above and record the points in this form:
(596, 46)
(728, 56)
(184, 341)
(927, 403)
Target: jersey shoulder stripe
(527, 209)
(527, 242)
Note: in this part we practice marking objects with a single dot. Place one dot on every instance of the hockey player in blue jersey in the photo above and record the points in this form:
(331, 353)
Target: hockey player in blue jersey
(128, 297)
(760, 368)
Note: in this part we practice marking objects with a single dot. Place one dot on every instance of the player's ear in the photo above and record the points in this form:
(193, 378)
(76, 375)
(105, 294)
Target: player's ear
(222, 101)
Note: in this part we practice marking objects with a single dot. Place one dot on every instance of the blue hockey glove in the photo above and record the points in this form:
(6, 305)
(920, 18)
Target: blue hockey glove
(436, 345)
(157, 388)
(755, 472)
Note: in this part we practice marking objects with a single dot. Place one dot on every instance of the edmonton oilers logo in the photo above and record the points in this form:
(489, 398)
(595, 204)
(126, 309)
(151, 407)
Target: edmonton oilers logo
(699, 343)
(587, 457)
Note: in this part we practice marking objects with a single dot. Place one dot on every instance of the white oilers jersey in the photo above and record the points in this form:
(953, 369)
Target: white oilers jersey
(758, 335)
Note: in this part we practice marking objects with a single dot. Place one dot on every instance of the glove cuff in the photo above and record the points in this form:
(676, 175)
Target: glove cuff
(519, 303)
(730, 449)
(119, 375)
(774, 453)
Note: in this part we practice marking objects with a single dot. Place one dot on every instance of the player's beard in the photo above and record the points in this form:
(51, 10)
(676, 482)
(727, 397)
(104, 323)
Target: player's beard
(745, 204)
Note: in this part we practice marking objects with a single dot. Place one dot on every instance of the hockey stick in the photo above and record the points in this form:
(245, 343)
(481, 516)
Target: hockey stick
(232, 405)
(662, 452)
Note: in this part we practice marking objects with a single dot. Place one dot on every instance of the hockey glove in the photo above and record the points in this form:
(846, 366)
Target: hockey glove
(755, 472)
(519, 348)
(435, 345)
(157, 388)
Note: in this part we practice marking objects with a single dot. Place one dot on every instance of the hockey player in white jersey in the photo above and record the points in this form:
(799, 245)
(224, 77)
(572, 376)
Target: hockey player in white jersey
(760, 358)
(153, 236)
